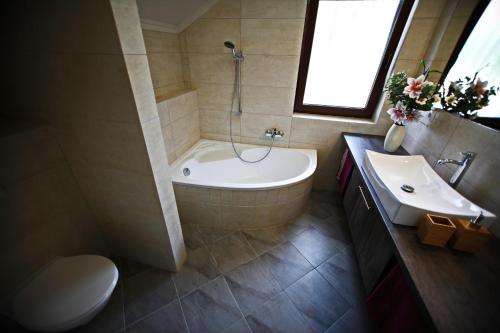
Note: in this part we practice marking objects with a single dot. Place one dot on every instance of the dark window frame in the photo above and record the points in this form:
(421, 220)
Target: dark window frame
(401, 18)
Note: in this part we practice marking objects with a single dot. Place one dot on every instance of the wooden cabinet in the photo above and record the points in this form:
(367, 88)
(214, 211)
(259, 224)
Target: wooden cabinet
(371, 242)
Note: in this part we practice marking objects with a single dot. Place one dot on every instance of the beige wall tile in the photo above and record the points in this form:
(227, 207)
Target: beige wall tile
(168, 139)
(465, 8)
(224, 9)
(161, 42)
(211, 68)
(432, 140)
(186, 132)
(273, 8)
(183, 105)
(208, 35)
(218, 122)
(273, 71)
(316, 131)
(450, 37)
(165, 68)
(282, 36)
(214, 96)
(268, 100)
(430, 8)
(140, 81)
(254, 126)
(411, 67)
(128, 26)
(417, 39)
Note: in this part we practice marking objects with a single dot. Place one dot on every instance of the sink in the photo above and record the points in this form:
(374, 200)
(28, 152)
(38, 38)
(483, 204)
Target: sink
(431, 194)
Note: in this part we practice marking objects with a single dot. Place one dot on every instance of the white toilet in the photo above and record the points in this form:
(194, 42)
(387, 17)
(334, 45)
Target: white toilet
(66, 293)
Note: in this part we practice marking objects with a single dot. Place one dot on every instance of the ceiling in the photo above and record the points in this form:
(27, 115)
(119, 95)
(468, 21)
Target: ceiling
(171, 15)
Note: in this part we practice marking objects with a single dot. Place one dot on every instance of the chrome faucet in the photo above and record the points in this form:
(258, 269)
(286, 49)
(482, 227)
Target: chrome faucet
(463, 165)
(274, 133)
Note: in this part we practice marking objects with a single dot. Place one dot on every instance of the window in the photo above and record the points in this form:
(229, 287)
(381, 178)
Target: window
(346, 51)
(478, 49)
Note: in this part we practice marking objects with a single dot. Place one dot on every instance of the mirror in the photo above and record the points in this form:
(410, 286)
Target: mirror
(475, 62)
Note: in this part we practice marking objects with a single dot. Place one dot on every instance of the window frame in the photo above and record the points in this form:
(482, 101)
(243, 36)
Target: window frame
(401, 18)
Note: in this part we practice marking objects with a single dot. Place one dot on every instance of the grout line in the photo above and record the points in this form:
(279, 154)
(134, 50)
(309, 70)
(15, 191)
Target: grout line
(180, 304)
(237, 304)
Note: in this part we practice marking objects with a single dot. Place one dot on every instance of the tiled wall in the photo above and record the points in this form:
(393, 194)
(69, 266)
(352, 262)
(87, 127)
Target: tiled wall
(445, 137)
(270, 34)
(42, 211)
(165, 62)
(89, 79)
(179, 118)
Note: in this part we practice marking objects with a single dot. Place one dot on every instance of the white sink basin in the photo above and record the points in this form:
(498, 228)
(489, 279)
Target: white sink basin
(431, 194)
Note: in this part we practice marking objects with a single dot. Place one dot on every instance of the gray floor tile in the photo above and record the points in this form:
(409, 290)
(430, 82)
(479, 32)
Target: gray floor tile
(320, 304)
(110, 319)
(286, 264)
(199, 268)
(252, 285)
(211, 308)
(342, 272)
(316, 246)
(277, 315)
(335, 227)
(321, 209)
(211, 235)
(193, 238)
(355, 320)
(147, 292)
(265, 239)
(231, 251)
(167, 319)
(240, 326)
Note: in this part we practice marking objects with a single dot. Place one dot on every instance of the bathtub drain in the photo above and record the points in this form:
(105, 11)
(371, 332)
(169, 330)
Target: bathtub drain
(186, 172)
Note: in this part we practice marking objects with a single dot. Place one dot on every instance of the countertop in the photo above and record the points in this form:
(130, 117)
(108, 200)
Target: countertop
(456, 291)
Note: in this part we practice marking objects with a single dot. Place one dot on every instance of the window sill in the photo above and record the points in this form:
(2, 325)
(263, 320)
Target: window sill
(338, 119)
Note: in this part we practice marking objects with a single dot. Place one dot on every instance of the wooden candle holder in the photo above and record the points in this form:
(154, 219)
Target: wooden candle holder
(435, 230)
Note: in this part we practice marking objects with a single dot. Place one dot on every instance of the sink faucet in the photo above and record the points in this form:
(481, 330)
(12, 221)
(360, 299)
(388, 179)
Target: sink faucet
(463, 165)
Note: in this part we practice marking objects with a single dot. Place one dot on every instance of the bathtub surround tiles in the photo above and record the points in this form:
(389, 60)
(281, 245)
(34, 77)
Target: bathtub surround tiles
(448, 135)
(276, 290)
(165, 62)
(241, 210)
(180, 125)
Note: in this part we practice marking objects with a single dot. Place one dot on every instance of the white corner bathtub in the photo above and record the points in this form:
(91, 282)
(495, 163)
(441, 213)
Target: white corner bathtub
(214, 188)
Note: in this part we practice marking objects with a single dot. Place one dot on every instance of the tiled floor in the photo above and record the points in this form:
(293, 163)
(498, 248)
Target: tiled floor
(298, 278)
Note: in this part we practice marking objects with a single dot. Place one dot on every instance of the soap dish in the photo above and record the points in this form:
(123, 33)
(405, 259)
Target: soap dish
(435, 230)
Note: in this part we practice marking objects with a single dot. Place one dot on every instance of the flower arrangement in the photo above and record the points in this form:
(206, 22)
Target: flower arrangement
(410, 95)
(466, 96)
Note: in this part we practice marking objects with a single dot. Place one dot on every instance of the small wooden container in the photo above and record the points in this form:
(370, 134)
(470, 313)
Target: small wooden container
(435, 230)
(469, 237)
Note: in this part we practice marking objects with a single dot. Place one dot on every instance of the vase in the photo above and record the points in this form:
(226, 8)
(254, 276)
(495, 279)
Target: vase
(394, 137)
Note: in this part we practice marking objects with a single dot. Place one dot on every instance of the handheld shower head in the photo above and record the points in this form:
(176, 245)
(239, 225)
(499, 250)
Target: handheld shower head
(229, 44)
(236, 54)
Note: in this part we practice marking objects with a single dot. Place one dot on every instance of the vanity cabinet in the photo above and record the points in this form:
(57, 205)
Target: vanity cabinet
(371, 242)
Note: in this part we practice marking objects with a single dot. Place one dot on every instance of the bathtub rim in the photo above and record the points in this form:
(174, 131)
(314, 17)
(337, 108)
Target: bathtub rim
(309, 172)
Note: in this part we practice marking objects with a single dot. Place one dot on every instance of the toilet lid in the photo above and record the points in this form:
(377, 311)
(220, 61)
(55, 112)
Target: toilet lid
(64, 290)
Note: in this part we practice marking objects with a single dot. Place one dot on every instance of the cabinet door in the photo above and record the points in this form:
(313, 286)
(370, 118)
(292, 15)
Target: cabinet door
(351, 192)
(370, 240)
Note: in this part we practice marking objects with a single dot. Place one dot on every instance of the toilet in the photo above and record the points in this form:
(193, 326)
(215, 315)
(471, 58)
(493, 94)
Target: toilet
(66, 293)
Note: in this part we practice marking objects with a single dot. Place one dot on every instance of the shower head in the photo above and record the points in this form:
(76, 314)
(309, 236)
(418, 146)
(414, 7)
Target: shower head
(229, 45)
(237, 55)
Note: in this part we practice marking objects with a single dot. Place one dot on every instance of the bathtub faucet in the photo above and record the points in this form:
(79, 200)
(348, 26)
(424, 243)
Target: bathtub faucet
(274, 133)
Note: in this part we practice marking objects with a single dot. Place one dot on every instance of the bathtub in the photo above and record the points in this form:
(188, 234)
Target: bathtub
(213, 188)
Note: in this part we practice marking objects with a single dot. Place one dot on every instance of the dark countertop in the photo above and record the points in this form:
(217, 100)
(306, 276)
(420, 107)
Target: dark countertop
(457, 292)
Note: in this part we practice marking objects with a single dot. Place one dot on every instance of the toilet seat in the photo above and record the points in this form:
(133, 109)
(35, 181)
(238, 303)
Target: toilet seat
(66, 293)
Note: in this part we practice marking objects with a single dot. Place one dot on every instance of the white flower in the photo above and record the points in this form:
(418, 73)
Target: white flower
(451, 100)
(436, 98)
(415, 86)
(422, 101)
